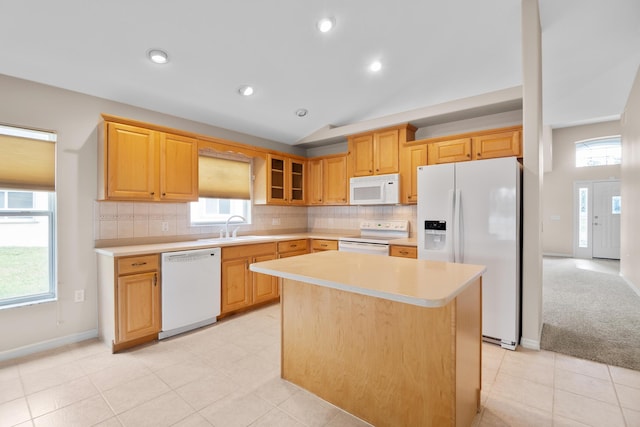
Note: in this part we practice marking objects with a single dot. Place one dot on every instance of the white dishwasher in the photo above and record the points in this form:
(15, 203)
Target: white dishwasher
(190, 290)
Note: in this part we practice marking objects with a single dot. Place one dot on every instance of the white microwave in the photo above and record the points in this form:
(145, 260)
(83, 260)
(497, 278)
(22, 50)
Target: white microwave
(375, 190)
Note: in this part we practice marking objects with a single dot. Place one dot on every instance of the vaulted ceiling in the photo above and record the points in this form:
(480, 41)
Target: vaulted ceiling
(431, 53)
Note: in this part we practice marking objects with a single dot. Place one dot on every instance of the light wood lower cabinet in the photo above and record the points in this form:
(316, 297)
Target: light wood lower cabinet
(403, 251)
(319, 245)
(242, 288)
(293, 247)
(129, 300)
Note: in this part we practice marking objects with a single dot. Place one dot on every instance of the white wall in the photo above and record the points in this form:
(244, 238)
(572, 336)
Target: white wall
(532, 175)
(557, 200)
(630, 189)
(74, 117)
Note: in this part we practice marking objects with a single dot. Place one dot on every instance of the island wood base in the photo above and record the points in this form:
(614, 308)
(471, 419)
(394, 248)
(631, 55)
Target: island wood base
(386, 362)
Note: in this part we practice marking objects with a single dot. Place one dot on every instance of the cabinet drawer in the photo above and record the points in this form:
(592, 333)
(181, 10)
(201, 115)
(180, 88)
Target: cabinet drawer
(243, 251)
(404, 251)
(135, 264)
(293, 245)
(324, 245)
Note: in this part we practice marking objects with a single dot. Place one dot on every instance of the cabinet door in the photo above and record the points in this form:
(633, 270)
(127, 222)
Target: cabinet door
(505, 144)
(265, 287)
(457, 150)
(295, 183)
(315, 182)
(335, 182)
(411, 157)
(385, 150)
(138, 306)
(319, 245)
(276, 179)
(403, 251)
(131, 162)
(178, 168)
(236, 286)
(361, 152)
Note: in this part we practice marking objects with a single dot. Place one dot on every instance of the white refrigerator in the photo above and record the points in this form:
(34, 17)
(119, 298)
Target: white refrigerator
(469, 212)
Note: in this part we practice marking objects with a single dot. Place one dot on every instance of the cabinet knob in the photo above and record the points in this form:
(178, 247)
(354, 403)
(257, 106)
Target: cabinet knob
(138, 264)
(479, 155)
(152, 193)
(164, 194)
(155, 279)
(404, 252)
(468, 155)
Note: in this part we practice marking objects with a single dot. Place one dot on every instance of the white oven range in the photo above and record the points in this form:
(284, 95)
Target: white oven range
(375, 236)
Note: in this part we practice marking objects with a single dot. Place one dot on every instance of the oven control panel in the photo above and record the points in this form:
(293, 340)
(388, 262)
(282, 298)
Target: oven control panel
(390, 225)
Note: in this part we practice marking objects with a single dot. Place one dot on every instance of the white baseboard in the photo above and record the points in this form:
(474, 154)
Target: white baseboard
(48, 345)
(633, 287)
(530, 344)
(555, 254)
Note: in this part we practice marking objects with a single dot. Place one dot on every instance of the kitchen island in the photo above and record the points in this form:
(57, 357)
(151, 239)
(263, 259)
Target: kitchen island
(393, 341)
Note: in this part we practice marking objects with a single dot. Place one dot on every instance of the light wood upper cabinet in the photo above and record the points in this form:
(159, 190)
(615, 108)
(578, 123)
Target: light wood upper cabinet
(178, 168)
(456, 150)
(410, 158)
(147, 165)
(280, 180)
(335, 181)
(504, 144)
(315, 183)
(377, 152)
(386, 155)
(361, 152)
(131, 164)
(327, 182)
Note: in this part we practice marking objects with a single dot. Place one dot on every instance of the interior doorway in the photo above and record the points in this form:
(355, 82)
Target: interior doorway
(597, 207)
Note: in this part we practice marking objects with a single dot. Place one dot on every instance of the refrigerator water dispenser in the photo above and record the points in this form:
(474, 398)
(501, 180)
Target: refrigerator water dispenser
(435, 235)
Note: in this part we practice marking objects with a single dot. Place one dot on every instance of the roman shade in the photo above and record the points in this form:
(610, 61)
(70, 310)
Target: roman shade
(27, 163)
(223, 178)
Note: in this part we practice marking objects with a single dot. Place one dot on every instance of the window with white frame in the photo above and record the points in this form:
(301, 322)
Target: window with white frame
(27, 216)
(225, 190)
(599, 152)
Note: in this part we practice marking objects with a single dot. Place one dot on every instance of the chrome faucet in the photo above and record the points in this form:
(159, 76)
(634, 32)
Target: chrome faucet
(226, 226)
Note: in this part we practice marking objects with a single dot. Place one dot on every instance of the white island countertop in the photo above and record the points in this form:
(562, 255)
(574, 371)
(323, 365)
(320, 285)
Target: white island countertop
(417, 282)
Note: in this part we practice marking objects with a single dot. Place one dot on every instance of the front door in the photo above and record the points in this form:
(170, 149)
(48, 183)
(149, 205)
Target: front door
(597, 218)
(606, 219)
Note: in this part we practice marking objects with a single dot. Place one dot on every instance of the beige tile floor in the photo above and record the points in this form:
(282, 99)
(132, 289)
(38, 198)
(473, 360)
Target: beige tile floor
(228, 375)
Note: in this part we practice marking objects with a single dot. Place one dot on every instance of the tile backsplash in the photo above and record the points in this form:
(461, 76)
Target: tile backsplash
(125, 223)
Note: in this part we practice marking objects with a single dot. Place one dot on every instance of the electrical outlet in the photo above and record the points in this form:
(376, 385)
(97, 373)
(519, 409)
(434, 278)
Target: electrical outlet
(165, 225)
(78, 295)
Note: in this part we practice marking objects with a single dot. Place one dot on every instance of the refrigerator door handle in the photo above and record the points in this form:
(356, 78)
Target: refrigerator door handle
(457, 229)
(451, 231)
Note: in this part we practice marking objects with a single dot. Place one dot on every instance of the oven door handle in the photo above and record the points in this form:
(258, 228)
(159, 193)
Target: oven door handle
(363, 247)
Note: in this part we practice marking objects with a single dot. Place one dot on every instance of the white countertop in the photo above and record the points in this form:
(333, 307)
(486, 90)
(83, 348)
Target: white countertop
(418, 282)
(129, 250)
(116, 251)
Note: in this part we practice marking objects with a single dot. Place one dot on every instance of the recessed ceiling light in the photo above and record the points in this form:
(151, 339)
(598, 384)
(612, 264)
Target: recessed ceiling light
(375, 66)
(158, 56)
(245, 90)
(301, 112)
(326, 24)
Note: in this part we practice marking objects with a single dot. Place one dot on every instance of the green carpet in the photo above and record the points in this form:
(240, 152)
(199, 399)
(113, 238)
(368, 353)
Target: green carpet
(590, 314)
